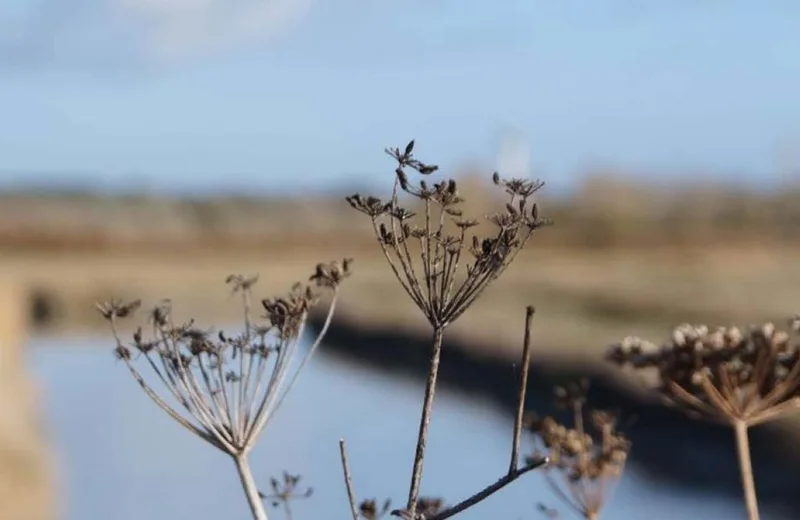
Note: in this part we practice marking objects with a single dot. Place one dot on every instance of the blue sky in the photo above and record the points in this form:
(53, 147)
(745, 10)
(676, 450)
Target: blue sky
(284, 94)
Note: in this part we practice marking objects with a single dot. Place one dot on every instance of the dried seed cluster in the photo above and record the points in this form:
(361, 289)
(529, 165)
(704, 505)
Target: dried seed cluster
(723, 375)
(427, 507)
(225, 388)
(589, 461)
(285, 491)
(369, 510)
(577, 455)
(425, 251)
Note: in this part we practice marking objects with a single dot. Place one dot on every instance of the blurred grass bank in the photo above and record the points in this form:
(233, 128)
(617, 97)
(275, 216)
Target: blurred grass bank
(622, 258)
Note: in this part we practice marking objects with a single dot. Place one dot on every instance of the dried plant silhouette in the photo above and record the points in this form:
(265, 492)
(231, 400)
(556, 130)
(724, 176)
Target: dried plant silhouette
(369, 510)
(444, 273)
(222, 387)
(737, 378)
(285, 491)
(589, 461)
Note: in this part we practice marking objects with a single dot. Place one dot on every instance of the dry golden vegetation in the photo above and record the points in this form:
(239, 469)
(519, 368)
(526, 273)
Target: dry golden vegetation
(606, 211)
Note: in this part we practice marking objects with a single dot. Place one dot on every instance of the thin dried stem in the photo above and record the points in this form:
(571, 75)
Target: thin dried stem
(275, 386)
(348, 479)
(172, 413)
(680, 396)
(425, 419)
(746, 469)
(523, 387)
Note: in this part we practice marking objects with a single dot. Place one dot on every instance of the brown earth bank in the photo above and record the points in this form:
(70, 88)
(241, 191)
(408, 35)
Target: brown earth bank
(26, 480)
(585, 300)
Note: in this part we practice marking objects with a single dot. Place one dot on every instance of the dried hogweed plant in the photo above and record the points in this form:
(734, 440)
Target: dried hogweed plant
(588, 461)
(440, 269)
(286, 491)
(225, 389)
(739, 378)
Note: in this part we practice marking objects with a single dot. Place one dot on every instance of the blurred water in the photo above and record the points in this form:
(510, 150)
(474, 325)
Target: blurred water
(121, 458)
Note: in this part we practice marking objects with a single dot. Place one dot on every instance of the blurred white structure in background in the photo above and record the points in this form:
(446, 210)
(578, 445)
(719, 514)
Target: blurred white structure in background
(788, 163)
(514, 157)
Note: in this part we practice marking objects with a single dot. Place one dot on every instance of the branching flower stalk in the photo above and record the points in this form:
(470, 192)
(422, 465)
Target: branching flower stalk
(434, 508)
(590, 461)
(438, 267)
(737, 378)
(225, 389)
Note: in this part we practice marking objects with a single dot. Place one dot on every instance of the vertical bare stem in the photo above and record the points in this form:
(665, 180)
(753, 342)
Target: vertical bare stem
(250, 489)
(348, 480)
(425, 419)
(746, 468)
(577, 411)
(523, 386)
(244, 383)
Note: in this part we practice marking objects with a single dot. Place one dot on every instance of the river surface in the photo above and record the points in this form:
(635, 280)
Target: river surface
(119, 457)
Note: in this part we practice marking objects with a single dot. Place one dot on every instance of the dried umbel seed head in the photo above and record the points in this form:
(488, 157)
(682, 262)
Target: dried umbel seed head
(429, 252)
(722, 375)
(286, 490)
(369, 510)
(117, 309)
(224, 400)
(429, 506)
(240, 282)
(633, 350)
(589, 460)
(571, 394)
(332, 274)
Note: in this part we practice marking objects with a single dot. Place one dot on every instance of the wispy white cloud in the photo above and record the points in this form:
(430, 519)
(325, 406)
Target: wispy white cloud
(152, 32)
(175, 29)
